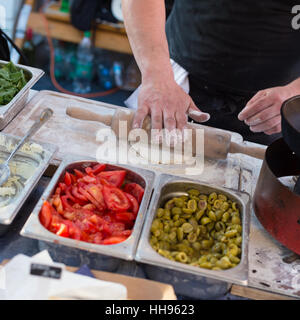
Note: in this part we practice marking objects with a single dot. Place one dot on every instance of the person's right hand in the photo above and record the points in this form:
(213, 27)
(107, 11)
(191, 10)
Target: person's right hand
(167, 103)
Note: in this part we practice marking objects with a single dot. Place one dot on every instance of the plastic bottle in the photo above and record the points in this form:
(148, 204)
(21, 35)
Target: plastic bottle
(118, 73)
(70, 62)
(105, 75)
(84, 65)
(59, 59)
(28, 48)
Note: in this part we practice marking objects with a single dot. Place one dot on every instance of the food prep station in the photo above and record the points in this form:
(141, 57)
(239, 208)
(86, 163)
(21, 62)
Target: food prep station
(265, 263)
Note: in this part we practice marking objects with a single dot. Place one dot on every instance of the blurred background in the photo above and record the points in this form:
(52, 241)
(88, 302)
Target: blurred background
(80, 44)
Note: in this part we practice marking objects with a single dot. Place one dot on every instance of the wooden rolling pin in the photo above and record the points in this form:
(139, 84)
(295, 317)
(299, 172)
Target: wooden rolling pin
(217, 143)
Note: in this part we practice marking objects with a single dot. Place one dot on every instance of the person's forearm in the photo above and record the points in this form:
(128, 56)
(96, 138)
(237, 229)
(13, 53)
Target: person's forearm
(145, 25)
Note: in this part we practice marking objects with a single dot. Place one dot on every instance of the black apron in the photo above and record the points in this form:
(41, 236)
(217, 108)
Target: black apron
(232, 49)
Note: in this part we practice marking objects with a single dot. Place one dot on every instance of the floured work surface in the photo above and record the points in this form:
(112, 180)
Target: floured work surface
(267, 270)
(72, 136)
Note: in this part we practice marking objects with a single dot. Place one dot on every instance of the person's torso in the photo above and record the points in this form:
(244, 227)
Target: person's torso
(242, 46)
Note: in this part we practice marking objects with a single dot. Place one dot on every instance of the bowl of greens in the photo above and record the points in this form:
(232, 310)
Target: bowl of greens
(15, 83)
(12, 81)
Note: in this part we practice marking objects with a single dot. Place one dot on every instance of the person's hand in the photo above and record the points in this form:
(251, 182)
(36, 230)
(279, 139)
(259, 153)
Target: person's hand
(262, 112)
(167, 104)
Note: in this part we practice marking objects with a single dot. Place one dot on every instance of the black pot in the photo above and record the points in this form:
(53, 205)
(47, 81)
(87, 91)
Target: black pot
(290, 122)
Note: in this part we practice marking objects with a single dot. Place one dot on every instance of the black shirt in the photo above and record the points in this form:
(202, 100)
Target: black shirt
(238, 46)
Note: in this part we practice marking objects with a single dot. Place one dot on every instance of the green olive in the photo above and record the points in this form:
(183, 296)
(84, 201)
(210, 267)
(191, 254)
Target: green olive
(212, 216)
(212, 197)
(160, 212)
(194, 192)
(196, 245)
(187, 227)
(205, 220)
(199, 214)
(218, 203)
(176, 210)
(192, 237)
(180, 234)
(236, 220)
(181, 257)
(192, 205)
(225, 216)
(172, 236)
(187, 210)
(170, 204)
(230, 233)
(224, 206)
(179, 202)
(184, 198)
(220, 226)
(222, 197)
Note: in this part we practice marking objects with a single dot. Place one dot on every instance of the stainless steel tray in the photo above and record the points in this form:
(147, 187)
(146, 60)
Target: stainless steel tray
(124, 250)
(8, 111)
(169, 186)
(8, 212)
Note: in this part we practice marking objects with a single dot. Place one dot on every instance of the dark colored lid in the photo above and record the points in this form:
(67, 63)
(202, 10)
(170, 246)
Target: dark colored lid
(290, 122)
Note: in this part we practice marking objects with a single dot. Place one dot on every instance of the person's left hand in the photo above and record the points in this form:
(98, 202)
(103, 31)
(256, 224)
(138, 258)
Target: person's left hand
(262, 112)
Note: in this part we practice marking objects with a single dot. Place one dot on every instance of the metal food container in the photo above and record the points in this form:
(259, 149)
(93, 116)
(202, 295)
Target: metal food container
(40, 163)
(189, 280)
(124, 250)
(9, 111)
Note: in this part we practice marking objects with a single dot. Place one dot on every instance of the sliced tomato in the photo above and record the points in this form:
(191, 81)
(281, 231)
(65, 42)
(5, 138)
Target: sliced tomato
(99, 205)
(114, 240)
(89, 179)
(96, 192)
(78, 173)
(95, 219)
(134, 204)
(66, 205)
(62, 187)
(67, 179)
(55, 224)
(90, 227)
(89, 206)
(74, 200)
(74, 231)
(125, 216)
(58, 204)
(89, 171)
(74, 178)
(106, 230)
(46, 214)
(99, 168)
(102, 181)
(116, 178)
(63, 230)
(115, 199)
(136, 190)
(57, 191)
(117, 227)
(78, 195)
